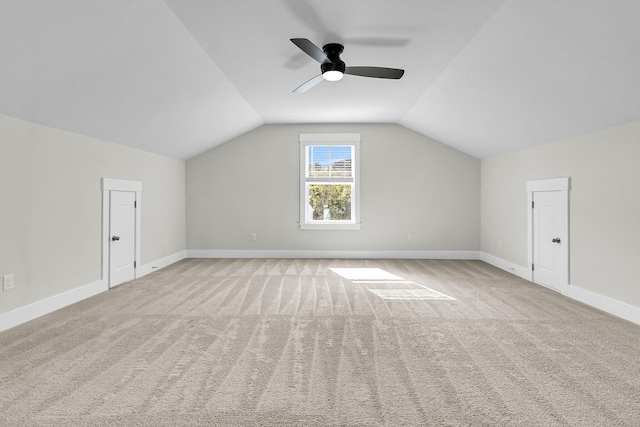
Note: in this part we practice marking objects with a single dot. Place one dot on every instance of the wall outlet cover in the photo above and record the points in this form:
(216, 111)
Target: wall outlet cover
(7, 282)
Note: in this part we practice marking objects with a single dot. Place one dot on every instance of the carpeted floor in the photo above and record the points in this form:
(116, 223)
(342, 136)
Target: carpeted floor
(323, 343)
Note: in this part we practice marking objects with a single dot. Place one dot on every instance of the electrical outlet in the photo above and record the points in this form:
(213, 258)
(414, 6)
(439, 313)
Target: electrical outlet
(499, 244)
(254, 237)
(409, 237)
(7, 282)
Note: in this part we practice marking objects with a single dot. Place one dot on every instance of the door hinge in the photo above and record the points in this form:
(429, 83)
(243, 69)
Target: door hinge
(532, 203)
(134, 264)
(135, 204)
(532, 267)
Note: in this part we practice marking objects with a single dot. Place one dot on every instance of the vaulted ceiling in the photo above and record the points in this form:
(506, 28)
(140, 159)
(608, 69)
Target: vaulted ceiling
(179, 77)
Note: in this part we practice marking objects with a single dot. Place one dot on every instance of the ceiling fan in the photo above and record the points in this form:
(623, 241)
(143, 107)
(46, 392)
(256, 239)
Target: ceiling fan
(333, 68)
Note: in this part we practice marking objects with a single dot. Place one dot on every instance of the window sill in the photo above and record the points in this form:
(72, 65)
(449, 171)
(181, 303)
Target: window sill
(330, 226)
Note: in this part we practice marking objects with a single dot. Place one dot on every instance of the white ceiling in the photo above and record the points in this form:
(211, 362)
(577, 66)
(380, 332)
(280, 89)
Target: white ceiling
(179, 77)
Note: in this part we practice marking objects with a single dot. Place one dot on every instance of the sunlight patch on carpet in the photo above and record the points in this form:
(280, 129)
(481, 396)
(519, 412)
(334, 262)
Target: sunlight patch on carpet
(365, 274)
(410, 294)
(389, 286)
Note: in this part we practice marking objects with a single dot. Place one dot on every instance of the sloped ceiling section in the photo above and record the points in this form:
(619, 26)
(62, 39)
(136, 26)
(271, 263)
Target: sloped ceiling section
(119, 70)
(179, 77)
(539, 71)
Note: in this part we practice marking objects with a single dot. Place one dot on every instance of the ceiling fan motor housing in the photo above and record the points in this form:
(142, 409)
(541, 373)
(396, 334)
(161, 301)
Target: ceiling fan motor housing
(333, 51)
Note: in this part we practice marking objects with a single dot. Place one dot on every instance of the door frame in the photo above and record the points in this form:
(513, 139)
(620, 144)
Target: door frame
(108, 185)
(563, 185)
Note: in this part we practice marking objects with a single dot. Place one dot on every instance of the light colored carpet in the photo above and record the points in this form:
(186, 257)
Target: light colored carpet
(294, 343)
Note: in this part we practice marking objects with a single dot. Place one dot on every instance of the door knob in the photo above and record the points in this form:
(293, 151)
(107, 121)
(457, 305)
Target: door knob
(556, 240)
(114, 238)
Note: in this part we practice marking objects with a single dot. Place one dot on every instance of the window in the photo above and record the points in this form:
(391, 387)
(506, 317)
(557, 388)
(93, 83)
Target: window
(329, 181)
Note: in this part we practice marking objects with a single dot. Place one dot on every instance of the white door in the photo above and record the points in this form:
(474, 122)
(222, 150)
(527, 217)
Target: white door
(550, 232)
(122, 237)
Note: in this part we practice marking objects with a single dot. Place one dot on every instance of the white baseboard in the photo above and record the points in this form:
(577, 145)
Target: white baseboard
(161, 263)
(56, 302)
(612, 306)
(506, 266)
(48, 305)
(333, 254)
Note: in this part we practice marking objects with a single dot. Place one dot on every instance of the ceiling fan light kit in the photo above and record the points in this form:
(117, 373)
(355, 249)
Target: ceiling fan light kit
(333, 68)
(332, 75)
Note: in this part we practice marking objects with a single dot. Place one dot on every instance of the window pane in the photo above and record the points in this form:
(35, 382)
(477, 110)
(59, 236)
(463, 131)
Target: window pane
(330, 202)
(329, 161)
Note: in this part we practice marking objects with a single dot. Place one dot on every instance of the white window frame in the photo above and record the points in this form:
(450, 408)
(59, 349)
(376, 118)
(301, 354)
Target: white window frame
(324, 139)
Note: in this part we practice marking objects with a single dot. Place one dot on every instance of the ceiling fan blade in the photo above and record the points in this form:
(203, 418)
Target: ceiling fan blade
(309, 84)
(311, 49)
(378, 72)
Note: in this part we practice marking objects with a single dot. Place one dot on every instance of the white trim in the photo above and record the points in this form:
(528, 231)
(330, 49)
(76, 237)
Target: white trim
(562, 184)
(304, 254)
(612, 306)
(330, 137)
(309, 139)
(161, 263)
(551, 184)
(510, 267)
(330, 226)
(51, 304)
(107, 185)
(57, 302)
(40, 308)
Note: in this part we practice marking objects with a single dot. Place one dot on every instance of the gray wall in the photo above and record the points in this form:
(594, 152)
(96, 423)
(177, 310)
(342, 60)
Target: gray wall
(50, 201)
(604, 228)
(51, 207)
(409, 184)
